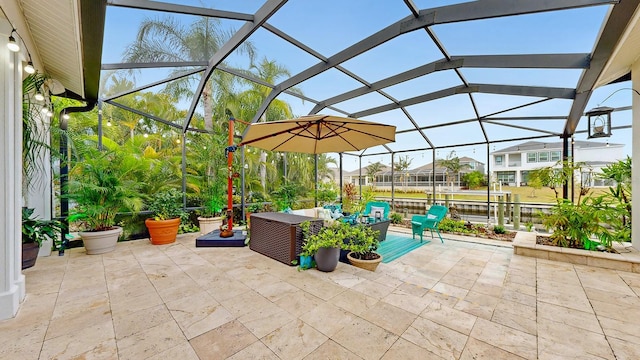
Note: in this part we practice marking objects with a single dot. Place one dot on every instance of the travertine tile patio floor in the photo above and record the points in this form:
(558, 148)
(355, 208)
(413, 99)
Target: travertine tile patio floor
(455, 300)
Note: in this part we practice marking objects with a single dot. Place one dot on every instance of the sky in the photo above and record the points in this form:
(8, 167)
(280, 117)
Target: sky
(318, 25)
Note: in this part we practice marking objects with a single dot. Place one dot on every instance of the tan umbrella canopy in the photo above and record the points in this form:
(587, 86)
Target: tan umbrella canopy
(317, 134)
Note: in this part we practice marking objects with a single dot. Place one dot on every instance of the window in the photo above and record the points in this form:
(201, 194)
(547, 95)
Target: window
(543, 156)
(506, 177)
(532, 157)
(555, 155)
(499, 159)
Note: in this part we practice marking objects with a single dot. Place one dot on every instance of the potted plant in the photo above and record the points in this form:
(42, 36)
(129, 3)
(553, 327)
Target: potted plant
(212, 203)
(34, 232)
(166, 210)
(100, 186)
(325, 245)
(362, 242)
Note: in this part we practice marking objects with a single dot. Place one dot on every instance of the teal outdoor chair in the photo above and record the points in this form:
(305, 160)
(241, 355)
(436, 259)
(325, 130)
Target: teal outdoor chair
(377, 206)
(431, 221)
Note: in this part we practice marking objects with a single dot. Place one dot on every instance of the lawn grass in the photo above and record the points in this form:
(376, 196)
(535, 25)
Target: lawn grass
(527, 194)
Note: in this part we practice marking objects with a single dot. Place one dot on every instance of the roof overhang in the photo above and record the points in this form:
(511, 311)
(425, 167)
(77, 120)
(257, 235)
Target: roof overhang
(624, 54)
(64, 39)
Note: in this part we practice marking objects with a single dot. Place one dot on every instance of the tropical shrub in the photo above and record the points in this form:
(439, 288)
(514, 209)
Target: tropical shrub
(102, 185)
(499, 229)
(473, 179)
(166, 205)
(396, 218)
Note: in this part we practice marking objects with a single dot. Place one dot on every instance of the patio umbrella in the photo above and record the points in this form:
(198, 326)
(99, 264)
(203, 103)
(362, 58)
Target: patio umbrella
(317, 134)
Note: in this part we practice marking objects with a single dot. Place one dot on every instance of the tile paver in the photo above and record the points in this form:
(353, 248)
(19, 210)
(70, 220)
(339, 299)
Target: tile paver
(457, 300)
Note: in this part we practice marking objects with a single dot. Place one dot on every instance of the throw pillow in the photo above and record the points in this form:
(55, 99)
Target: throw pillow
(375, 209)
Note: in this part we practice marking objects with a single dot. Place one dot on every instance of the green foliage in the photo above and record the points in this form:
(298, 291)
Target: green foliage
(453, 226)
(103, 184)
(373, 170)
(368, 195)
(286, 196)
(36, 230)
(213, 200)
(498, 229)
(327, 192)
(606, 217)
(529, 225)
(362, 241)
(559, 174)
(35, 132)
(619, 198)
(166, 205)
(396, 218)
(473, 179)
(452, 164)
(187, 225)
(328, 237)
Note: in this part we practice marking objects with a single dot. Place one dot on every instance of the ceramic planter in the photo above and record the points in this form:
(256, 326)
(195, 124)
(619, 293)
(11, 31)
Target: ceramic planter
(29, 254)
(100, 242)
(370, 265)
(162, 231)
(327, 258)
(208, 224)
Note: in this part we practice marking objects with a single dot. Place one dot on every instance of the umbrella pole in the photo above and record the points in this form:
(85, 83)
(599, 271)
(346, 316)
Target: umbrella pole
(230, 178)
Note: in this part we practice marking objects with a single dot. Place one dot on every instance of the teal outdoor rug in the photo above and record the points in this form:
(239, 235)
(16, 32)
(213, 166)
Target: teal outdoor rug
(396, 245)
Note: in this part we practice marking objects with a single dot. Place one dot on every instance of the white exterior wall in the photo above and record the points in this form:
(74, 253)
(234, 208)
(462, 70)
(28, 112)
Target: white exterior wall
(12, 284)
(591, 154)
(635, 151)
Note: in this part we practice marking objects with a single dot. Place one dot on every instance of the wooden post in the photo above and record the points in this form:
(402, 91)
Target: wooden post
(501, 210)
(516, 212)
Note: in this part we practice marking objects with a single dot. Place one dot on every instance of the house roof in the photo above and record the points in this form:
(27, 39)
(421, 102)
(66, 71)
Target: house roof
(424, 169)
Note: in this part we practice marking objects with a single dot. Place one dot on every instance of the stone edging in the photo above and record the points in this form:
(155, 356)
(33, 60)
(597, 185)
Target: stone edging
(628, 260)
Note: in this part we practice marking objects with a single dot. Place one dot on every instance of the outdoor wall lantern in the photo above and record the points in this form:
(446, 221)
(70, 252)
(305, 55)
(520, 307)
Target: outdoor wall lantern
(599, 124)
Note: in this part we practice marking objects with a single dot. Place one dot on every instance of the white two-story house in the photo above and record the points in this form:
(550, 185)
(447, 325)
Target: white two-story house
(511, 165)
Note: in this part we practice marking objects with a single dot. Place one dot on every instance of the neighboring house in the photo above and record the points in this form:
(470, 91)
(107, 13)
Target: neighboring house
(421, 177)
(512, 165)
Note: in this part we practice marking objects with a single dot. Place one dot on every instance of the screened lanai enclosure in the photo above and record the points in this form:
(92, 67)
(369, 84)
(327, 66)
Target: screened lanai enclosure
(452, 76)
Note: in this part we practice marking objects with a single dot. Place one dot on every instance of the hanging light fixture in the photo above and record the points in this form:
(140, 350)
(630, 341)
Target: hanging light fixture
(29, 69)
(109, 122)
(12, 44)
(145, 135)
(45, 109)
(66, 116)
(38, 96)
(49, 113)
(599, 122)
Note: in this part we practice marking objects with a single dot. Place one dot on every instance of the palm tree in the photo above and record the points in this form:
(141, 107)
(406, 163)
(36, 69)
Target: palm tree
(373, 170)
(248, 102)
(167, 40)
(452, 165)
(402, 165)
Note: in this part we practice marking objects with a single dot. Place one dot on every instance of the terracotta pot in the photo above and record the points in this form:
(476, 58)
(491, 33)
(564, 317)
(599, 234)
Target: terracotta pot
(100, 242)
(208, 224)
(162, 231)
(29, 254)
(370, 265)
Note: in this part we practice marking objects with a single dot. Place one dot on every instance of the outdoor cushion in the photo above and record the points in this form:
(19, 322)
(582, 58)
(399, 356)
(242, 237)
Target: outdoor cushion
(376, 209)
